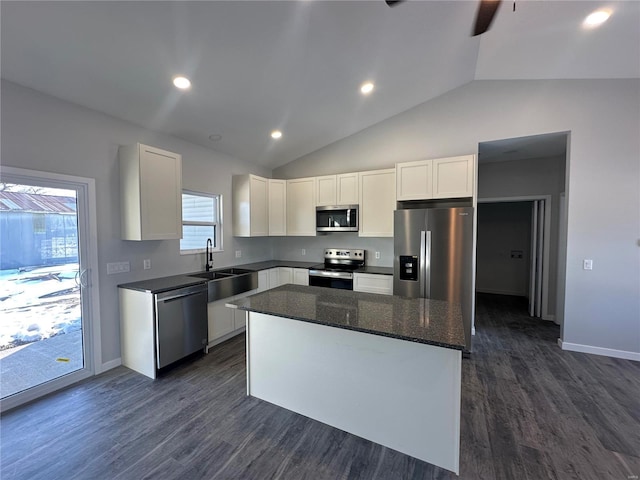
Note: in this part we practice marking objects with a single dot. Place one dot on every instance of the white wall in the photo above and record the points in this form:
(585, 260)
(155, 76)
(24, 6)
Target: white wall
(602, 307)
(43, 133)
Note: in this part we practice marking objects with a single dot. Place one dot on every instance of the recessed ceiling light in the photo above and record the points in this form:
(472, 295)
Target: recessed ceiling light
(276, 134)
(183, 83)
(596, 18)
(366, 88)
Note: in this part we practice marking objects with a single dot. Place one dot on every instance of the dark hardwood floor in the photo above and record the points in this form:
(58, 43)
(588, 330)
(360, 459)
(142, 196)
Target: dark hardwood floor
(529, 411)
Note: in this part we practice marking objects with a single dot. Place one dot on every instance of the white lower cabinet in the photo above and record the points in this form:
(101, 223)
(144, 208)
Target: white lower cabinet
(300, 276)
(263, 280)
(221, 321)
(373, 283)
(285, 275)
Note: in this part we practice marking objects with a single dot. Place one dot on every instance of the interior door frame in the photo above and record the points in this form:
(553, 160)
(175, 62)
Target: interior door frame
(87, 230)
(546, 241)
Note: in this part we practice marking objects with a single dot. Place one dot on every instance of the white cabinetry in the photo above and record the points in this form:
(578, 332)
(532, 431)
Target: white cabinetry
(221, 319)
(372, 283)
(438, 178)
(250, 206)
(337, 190)
(301, 207)
(300, 276)
(274, 277)
(347, 189)
(414, 180)
(277, 207)
(151, 193)
(453, 177)
(285, 275)
(263, 280)
(326, 191)
(377, 202)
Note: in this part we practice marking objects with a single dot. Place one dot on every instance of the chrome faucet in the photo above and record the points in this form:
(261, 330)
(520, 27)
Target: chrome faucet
(209, 255)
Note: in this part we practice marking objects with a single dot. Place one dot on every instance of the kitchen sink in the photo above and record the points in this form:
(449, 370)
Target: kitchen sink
(212, 275)
(225, 283)
(233, 271)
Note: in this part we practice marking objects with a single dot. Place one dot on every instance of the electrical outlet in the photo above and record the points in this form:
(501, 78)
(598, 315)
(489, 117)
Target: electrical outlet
(304, 252)
(146, 264)
(117, 267)
(238, 253)
(587, 264)
(377, 255)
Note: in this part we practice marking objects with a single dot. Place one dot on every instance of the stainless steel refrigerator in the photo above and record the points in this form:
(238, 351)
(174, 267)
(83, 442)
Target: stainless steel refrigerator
(433, 257)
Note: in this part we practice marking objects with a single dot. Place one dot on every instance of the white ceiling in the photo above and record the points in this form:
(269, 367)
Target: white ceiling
(295, 66)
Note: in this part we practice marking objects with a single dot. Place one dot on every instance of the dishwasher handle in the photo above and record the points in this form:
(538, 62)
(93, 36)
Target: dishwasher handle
(173, 295)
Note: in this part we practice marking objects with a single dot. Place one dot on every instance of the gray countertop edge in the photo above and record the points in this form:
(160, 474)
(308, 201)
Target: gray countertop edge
(355, 329)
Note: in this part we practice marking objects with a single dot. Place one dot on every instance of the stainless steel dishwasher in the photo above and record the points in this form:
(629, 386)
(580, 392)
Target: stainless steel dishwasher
(181, 323)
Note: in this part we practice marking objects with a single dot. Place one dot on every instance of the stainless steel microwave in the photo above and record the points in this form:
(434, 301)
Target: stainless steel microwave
(340, 218)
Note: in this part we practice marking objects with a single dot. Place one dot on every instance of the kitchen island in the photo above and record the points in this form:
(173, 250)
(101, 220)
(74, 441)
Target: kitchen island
(384, 368)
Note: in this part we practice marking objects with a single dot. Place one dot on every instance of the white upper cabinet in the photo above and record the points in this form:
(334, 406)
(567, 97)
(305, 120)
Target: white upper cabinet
(337, 190)
(377, 202)
(250, 206)
(454, 177)
(151, 193)
(301, 207)
(451, 177)
(347, 188)
(277, 207)
(326, 191)
(414, 180)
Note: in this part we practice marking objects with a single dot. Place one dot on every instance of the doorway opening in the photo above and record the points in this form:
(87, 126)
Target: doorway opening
(513, 245)
(521, 187)
(47, 337)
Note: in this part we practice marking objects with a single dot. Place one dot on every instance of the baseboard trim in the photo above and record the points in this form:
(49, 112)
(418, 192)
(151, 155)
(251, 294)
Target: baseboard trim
(606, 352)
(110, 365)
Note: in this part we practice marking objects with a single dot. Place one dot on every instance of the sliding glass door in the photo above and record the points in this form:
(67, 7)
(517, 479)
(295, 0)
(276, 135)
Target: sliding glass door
(46, 339)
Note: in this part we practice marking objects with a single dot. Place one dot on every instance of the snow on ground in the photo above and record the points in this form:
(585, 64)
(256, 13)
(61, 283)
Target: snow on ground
(38, 304)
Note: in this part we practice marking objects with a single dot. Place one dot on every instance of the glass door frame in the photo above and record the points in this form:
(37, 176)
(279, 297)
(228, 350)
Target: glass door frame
(87, 262)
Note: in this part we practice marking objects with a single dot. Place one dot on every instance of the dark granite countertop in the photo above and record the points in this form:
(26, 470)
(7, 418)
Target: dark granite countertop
(376, 270)
(421, 320)
(163, 284)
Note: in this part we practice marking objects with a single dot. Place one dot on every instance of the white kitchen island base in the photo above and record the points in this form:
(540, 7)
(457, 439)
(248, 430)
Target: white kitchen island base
(401, 394)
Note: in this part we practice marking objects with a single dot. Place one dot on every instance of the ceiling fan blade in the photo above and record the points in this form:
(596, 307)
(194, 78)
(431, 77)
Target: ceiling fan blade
(486, 13)
(393, 3)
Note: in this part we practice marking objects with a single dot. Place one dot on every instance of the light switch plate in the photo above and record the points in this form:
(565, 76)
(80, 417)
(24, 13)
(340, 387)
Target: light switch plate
(146, 263)
(238, 253)
(117, 267)
(587, 264)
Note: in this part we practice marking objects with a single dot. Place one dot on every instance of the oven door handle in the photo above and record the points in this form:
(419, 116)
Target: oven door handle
(322, 273)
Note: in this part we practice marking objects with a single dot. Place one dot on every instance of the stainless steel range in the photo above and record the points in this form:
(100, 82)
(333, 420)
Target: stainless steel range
(337, 269)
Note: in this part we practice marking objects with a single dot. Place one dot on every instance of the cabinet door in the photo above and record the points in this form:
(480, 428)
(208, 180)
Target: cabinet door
(366, 282)
(221, 319)
(326, 190)
(377, 203)
(347, 189)
(151, 193)
(300, 276)
(414, 180)
(285, 275)
(259, 218)
(263, 280)
(453, 177)
(301, 207)
(274, 277)
(160, 194)
(277, 207)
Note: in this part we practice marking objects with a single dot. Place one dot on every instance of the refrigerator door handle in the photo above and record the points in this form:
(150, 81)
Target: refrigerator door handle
(425, 263)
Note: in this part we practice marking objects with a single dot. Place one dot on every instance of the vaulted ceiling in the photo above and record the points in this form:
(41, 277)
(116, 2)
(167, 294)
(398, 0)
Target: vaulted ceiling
(295, 66)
